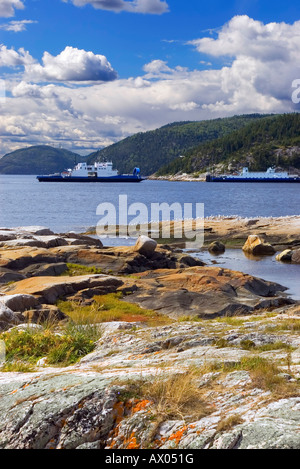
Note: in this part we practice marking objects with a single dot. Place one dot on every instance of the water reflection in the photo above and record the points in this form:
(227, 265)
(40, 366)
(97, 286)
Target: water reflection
(265, 267)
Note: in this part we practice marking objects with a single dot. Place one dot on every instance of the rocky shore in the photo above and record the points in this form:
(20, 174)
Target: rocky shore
(194, 357)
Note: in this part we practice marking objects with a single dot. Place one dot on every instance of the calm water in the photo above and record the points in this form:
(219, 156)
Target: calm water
(267, 268)
(66, 207)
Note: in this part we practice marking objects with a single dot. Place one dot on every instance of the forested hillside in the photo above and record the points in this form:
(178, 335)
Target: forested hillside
(153, 149)
(41, 159)
(273, 140)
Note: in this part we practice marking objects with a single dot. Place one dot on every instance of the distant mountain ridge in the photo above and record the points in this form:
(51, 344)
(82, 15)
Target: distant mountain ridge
(155, 151)
(41, 159)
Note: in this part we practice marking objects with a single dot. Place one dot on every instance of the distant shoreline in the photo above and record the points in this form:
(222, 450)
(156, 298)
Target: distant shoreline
(233, 231)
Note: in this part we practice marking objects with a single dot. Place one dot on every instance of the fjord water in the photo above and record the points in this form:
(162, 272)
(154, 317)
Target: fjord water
(263, 267)
(72, 207)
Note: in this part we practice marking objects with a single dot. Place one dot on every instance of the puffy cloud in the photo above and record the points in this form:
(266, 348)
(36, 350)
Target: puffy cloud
(16, 26)
(13, 58)
(156, 67)
(154, 7)
(7, 7)
(243, 36)
(265, 61)
(71, 65)
(258, 79)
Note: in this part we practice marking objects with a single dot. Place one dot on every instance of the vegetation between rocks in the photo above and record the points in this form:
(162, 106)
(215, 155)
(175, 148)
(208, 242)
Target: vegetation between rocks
(110, 307)
(77, 269)
(24, 347)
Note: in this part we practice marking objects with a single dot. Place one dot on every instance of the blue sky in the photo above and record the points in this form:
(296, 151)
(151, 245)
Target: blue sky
(129, 40)
(86, 73)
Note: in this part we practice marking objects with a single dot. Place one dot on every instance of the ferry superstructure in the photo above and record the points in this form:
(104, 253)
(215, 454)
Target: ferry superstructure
(247, 176)
(97, 172)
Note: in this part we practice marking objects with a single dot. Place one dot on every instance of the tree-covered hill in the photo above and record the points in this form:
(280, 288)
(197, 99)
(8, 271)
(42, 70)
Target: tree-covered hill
(271, 141)
(153, 149)
(37, 160)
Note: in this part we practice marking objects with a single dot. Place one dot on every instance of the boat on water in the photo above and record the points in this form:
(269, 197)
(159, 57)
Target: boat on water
(247, 176)
(98, 172)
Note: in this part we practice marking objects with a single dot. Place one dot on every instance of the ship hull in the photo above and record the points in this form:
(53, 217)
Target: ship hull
(252, 180)
(71, 179)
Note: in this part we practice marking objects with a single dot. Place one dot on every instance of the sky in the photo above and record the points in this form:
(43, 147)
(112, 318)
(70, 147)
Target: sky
(83, 74)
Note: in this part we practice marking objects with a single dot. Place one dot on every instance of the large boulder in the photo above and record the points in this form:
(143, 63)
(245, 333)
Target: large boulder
(51, 241)
(20, 258)
(145, 246)
(19, 302)
(255, 246)
(45, 270)
(35, 230)
(285, 256)
(21, 242)
(7, 276)
(44, 313)
(73, 238)
(203, 292)
(7, 317)
(7, 235)
(216, 247)
(47, 290)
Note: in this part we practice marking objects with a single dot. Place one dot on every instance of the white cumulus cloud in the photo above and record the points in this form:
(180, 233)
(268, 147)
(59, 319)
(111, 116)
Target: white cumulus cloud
(244, 36)
(8, 7)
(16, 26)
(257, 78)
(14, 58)
(71, 64)
(265, 60)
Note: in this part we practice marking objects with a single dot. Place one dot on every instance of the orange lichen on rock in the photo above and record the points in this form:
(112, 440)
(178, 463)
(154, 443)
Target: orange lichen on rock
(118, 411)
(140, 406)
(132, 442)
(178, 435)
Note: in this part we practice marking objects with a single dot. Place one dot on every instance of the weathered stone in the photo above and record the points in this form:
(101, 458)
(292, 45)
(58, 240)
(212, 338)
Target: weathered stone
(36, 422)
(275, 427)
(255, 246)
(7, 276)
(50, 289)
(285, 256)
(7, 316)
(89, 405)
(124, 260)
(205, 292)
(44, 313)
(35, 230)
(145, 246)
(19, 302)
(20, 258)
(79, 239)
(45, 270)
(216, 247)
(51, 241)
(7, 235)
(296, 256)
(21, 242)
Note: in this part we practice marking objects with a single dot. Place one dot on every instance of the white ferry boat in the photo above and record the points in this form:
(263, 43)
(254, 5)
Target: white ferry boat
(98, 172)
(247, 176)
